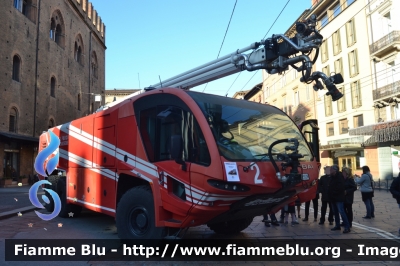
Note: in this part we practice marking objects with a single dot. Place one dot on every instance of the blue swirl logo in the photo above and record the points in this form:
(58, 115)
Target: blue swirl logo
(40, 168)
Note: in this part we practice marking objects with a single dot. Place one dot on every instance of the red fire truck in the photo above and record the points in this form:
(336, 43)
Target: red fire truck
(169, 158)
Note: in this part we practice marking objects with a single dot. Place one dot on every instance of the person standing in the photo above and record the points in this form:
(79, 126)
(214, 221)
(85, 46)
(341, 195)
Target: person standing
(298, 204)
(349, 186)
(315, 207)
(336, 196)
(367, 191)
(395, 190)
(323, 188)
(273, 220)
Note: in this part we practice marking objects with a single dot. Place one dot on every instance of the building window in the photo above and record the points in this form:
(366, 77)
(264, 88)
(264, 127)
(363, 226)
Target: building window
(294, 73)
(324, 51)
(337, 48)
(358, 121)
(18, 4)
(296, 98)
(329, 129)
(283, 80)
(94, 65)
(328, 105)
(356, 94)
(57, 28)
(351, 32)
(341, 103)
(343, 126)
(339, 66)
(12, 124)
(53, 87)
(353, 63)
(324, 20)
(336, 10)
(326, 70)
(349, 2)
(79, 102)
(26, 7)
(78, 50)
(285, 107)
(16, 68)
(307, 92)
(51, 123)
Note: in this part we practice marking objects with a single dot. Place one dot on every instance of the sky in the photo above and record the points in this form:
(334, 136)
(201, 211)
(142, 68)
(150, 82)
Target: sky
(148, 39)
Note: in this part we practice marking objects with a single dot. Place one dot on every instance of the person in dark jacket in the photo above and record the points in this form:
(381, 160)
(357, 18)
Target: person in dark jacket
(349, 188)
(323, 188)
(395, 190)
(337, 197)
(315, 207)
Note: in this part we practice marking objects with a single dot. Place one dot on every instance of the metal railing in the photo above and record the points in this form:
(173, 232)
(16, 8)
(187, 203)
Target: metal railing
(383, 184)
(386, 91)
(384, 41)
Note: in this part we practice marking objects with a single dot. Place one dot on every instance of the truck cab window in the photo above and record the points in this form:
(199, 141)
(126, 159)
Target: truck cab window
(157, 126)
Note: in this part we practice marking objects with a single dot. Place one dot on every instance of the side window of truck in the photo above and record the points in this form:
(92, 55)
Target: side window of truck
(158, 124)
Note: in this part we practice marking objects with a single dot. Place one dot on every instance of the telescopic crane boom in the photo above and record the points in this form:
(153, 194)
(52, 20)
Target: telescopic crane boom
(273, 54)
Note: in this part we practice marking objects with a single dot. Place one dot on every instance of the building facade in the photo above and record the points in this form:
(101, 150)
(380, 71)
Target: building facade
(112, 95)
(345, 49)
(53, 63)
(384, 45)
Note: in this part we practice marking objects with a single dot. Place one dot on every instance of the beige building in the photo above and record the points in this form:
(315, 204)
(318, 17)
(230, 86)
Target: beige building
(112, 95)
(383, 133)
(53, 63)
(345, 50)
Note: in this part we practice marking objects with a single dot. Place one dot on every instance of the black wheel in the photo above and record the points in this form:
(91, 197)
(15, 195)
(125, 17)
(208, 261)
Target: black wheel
(136, 215)
(231, 227)
(66, 208)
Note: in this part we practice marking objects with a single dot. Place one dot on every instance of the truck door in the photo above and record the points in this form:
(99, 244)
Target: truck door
(310, 128)
(161, 118)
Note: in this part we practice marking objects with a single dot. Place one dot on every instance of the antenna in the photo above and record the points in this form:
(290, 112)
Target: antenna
(160, 80)
(138, 79)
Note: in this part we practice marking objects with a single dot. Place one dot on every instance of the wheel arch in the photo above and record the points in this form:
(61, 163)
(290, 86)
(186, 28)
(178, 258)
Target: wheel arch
(125, 183)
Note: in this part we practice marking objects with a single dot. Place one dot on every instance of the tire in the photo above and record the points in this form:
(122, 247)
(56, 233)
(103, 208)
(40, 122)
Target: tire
(66, 208)
(136, 215)
(231, 227)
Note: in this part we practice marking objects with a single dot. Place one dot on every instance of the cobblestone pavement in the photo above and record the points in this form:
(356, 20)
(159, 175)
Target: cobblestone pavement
(97, 226)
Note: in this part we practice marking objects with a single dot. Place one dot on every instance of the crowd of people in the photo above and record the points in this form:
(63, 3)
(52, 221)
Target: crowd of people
(336, 190)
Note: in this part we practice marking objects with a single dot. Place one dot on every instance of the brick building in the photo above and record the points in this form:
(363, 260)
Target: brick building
(52, 63)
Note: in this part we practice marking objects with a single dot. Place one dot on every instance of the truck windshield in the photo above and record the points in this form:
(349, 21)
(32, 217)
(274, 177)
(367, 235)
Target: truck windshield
(244, 130)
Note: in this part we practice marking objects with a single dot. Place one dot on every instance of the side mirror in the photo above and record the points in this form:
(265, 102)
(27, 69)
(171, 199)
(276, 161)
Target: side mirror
(176, 149)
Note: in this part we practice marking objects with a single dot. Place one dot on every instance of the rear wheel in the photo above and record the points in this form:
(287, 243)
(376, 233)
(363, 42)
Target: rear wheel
(231, 227)
(67, 210)
(136, 215)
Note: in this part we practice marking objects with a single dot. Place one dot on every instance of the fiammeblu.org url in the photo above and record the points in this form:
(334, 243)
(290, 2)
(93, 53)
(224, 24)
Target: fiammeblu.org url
(230, 250)
(287, 250)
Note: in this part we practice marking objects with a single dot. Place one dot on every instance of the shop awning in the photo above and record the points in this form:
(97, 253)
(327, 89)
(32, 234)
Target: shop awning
(379, 132)
(344, 153)
(8, 136)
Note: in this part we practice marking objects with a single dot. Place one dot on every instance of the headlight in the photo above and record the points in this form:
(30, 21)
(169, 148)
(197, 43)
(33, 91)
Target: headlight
(305, 177)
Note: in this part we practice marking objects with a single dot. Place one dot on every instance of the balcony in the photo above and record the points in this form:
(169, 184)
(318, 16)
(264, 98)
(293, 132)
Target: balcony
(390, 90)
(386, 45)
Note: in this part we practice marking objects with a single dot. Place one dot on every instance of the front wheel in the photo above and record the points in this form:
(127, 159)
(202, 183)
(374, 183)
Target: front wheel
(136, 215)
(231, 227)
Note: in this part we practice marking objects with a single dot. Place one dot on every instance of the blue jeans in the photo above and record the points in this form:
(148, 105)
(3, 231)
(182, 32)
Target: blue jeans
(338, 208)
(369, 204)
